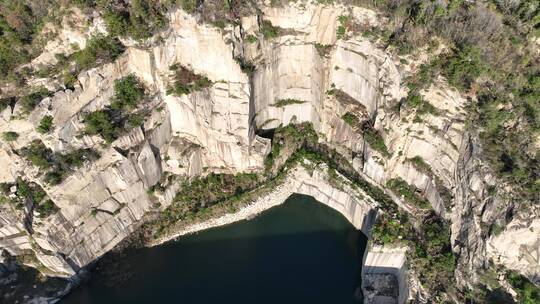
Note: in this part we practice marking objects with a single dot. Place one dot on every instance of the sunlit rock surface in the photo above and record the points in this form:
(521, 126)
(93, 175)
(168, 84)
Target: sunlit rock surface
(214, 130)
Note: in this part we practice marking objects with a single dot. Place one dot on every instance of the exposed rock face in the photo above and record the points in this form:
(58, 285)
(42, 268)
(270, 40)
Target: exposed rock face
(518, 247)
(213, 130)
(105, 201)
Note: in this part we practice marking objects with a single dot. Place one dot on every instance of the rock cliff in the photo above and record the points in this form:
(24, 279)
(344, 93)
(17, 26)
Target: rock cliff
(305, 73)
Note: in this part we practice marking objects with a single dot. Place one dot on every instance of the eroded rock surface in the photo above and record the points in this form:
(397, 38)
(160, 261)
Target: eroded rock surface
(214, 130)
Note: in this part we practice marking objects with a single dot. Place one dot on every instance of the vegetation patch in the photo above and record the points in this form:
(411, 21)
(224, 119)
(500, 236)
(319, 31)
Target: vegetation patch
(119, 117)
(30, 101)
(139, 19)
(55, 165)
(28, 192)
(288, 101)
(197, 197)
(346, 24)
(342, 28)
(323, 49)
(103, 123)
(186, 81)
(408, 192)
(420, 105)
(420, 164)
(189, 5)
(45, 124)
(21, 22)
(268, 30)
(528, 293)
(128, 92)
(375, 140)
(351, 119)
(99, 50)
(251, 39)
(491, 54)
(10, 136)
(391, 229)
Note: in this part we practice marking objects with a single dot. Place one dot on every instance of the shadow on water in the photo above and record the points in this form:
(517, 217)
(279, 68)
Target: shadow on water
(299, 252)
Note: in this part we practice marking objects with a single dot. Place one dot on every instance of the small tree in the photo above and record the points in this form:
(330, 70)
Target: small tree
(100, 122)
(128, 91)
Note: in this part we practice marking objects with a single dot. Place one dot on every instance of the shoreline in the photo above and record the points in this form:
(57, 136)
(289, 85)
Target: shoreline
(269, 200)
(356, 211)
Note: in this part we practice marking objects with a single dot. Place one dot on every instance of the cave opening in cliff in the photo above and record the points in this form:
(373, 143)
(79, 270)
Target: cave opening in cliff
(266, 133)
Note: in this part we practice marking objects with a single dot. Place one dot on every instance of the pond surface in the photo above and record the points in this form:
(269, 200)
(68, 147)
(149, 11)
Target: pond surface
(299, 252)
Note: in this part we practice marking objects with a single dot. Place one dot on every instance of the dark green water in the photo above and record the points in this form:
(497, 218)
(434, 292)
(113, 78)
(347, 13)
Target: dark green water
(299, 252)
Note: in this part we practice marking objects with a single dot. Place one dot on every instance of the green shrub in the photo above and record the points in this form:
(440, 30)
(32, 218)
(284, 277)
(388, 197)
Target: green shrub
(288, 101)
(422, 107)
(528, 293)
(268, 30)
(45, 124)
(112, 121)
(56, 166)
(464, 67)
(29, 102)
(323, 49)
(117, 25)
(408, 192)
(10, 136)
(69, 79)
(135, 120)
(189, 5)
(99, 50)
(375, 140)
(343, 24)
(30, 191)
(128, 92)
(38, 154)
(351, 119)
(186, 81)
(138, 19)
(421, 165)
(251, 39)
(102, 123)
(46, 208)
(340, 34)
